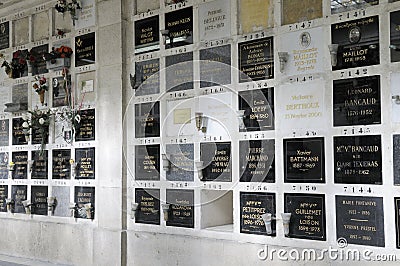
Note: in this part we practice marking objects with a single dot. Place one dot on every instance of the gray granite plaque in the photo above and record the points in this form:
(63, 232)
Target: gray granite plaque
(396, 159)
(39, 66)
(62, 195)
(147, 120)
(3, 197)
(4, 165)
(39, 166)
(179, 72)
(215, 66)
(18, 136)
(20, 94)
(4, 35)
(19, 194)
(181, 157)
(4, 132)
(147, 77)
(20, 160)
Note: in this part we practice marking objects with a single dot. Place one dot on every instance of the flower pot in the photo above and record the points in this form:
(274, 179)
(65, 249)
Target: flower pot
(59, 64)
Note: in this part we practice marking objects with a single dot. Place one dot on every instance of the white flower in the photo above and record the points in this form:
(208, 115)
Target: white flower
(25, 124)
(41, 121)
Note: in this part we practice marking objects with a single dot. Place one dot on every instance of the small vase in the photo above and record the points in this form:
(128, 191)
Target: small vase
(41, 96)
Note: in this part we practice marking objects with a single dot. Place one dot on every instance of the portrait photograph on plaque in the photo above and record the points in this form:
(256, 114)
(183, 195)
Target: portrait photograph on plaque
(18, 136)
(147, 35)
(181, 161)
(4, 35)
(357, 101)
(178, 28)
(181, 208)
(85, 202)
(39, 167)
(360, 220)
(4, 132)
(85, 163)
(294, 11)
(39, 196)
(257, 160)
(358, 43)
(255, 15)
(148, 210)
(395, 36)
(147, 77)
(4, 165)
(3, 197)
(215, 66)
(252, 206)
(20, 159)
(179, 72)
(61, 91)
(147, 162)
(61, 164)
(85, 49)
(86, 128)
(19, 194)
(256, 60)
(358, 159)
(147, 120)
(216, 158)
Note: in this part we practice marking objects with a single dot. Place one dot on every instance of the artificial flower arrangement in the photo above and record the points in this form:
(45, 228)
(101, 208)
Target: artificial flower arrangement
(16, 67)
(73, 119)
(63, 6)
(40, 86)
(39, 121)
(60, 52)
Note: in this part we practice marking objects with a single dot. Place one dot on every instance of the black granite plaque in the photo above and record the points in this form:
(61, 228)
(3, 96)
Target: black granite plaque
(147, 77)
(348, 5)
(147, 35)
(84, 196)
(39, 66)
(257, 160)
(258, 107)
(216, 159)
(396, 215)
(147, 162)
(148, 211)
(256, 60)
(252, 206)
(20, 160)
(215, 66)
(308, 215)
(85, 159)
(180, 27)
(181, 210)
(19, 95)
(39, 200)
(86, 129)
(39, 165)
(395, 36)
(358, 42)
(38, 137)
(19, 194)
(357, 101)
(85, 49)
(396, 159)
(61, 164)
(4, 165)
(4, 35)
(61, 91)
(358, 159)
(181, 158)
(4, 132)
(3, 197)
(304, 160)
(360, 221)
(18, 136)
(179, 72)
(147, 120)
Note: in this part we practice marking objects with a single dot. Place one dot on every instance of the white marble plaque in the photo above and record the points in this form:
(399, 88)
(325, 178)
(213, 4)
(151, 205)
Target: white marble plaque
(215, 20)
(305, 50)
(395, 84)
(62, 22)
(180, 118)
(41, 24)
(4, 97)
(301, 106)
(87, 15)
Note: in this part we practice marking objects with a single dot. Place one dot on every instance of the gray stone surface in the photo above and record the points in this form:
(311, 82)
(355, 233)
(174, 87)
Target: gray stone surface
(62, 195)
(215, 66)
(181, 157)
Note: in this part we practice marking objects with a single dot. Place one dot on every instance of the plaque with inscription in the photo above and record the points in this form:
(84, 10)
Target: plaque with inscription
(395, 36)
(360, 221)
(358, 42)
(4, 35)
(181, 210)
(147, 120)
(348, 5)
(396, 215)
(180, 27)
(255, 15)
(294, 11)
(396, 159)
(4, 132)
(4, 165)
(85, 49)
(181, 158)
(357, 101)
(18, 136)
(3, 197)
(38, 138)
(257, 160)
(258, 108)
(215, 20)
(61, 91)
(179, 72)
(147, 35)
(61, 164)
(19, 194)
(215, 66)
(85, 159)
(62, 195)
(304, 160)
(39, 166)
(308, 215)
(358, 159)
(256, 60)
(252, 206)
(39, 66)
(148, 211)
(86, 129)
(39, 196)
(20, 160)
(85, 200)
(20, 96)
(216, 158)
(147, 162)
(147, 77)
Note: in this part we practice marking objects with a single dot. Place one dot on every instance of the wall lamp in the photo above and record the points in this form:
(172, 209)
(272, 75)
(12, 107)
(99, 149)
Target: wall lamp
(286, 221)
(28, 206)
(166, 35)
(51, 204)
(240, 116)
(134, 207)
(201, 122)
(30, 165)
(166, 162)
(199, 166)
(333, 49)
(10, 205)
(165, 207)
(283, 58)
(267, 218)
(74, 167)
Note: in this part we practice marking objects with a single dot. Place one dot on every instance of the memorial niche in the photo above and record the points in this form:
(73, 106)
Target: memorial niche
(252, 206)
(396, 215)
(147, 77)
(255, 15)
(181, 157)
(39, 200)
(358, 159)
(356, 101)
(62, 91)
(395, 36)
(294, 11)
(215, 20)
(148, 210)
(85, 202)
(4, 132)
(215, 66)
(18, 136)
(19, 194)
(61, 164)
(256, 60)
(85, 49)
(3, 197)
(147, 162)
(258, 108)
(147, 35)
(39, 166)
(20, 160)
(396, 159)
(179, 72)
(257, 160)
(85, 163)
(360, 221)
(358, 43)
(216, 158)
(179, 27)
(181, 209)
(147, 120)
(3, 165)
(86, 128)
(308, 215)
(39, 64)
(348, 5)
(19, 98)
(304, 160)
(4, 35)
